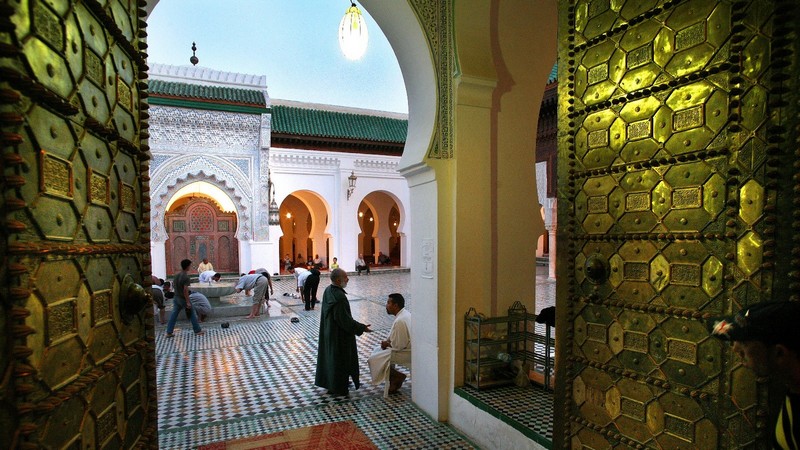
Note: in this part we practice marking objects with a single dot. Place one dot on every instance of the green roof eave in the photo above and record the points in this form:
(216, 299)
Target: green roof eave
(194, 104)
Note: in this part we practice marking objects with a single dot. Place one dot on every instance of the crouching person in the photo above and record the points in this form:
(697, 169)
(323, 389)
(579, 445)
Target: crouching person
(395, 349)
(200, 304)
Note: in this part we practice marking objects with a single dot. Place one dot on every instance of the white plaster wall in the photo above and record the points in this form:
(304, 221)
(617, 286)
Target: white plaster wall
(485, 430)
(424, 290)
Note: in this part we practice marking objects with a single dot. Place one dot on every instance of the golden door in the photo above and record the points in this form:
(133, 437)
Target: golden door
(678, 199)
(78, 366)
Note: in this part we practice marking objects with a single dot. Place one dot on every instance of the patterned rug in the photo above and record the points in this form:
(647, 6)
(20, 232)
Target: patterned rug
(337, 435)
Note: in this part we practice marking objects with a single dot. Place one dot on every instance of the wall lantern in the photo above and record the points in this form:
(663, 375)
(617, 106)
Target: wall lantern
(351, 180)
(274, 213)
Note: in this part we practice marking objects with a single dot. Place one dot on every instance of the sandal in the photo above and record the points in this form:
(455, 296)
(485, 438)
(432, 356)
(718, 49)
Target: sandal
(200, 333)
(170, 335)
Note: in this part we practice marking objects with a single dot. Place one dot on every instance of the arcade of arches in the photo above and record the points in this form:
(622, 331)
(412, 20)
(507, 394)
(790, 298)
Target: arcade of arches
(304, 225)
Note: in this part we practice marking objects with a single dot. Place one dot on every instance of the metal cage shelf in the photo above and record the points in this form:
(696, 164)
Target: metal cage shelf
(491, 345)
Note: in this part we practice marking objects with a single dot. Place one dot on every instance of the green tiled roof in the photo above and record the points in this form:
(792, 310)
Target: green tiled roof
(206, 93)
(313, 122)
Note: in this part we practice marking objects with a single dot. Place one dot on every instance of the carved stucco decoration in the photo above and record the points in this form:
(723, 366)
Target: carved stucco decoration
(189, 129)
(261, 225)
(435, 17)
(377, 165)
(181, 171)
(280, 159)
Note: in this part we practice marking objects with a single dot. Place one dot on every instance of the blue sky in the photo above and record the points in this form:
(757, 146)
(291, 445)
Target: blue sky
(294, 43)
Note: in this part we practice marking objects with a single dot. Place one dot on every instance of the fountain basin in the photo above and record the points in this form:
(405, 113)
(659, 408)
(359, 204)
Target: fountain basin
(214, 291)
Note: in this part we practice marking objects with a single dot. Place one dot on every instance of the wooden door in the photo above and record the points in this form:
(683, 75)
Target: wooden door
(77, 366)
(677, 192)
(198, 229)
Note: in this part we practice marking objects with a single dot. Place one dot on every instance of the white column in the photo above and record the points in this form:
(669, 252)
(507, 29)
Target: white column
(430, 358)
(158, 258)
(245, 261)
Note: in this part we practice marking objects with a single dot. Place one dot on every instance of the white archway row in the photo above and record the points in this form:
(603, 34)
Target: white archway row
(325, 174)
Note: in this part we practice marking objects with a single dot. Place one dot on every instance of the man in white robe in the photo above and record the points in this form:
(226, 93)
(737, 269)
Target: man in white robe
(395, 349)
(208, 276)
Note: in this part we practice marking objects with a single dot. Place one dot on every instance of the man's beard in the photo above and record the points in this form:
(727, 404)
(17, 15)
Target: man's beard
(344, 284)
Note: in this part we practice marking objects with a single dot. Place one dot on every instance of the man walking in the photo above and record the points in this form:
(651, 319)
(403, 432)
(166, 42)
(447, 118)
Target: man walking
(395, 349)
(181, 300)
(766, 336)
(337, 357)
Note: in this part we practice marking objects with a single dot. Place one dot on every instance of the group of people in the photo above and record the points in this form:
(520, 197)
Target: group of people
(196, 305)
(312, 263)
(337, 357)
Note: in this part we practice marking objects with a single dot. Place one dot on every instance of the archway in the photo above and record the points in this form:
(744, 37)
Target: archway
(304, 218)
(380, 225)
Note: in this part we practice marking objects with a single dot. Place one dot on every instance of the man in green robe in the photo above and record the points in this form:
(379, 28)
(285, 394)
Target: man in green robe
(337, 358)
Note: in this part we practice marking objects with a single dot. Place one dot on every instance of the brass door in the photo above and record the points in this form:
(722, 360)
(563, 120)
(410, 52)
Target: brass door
(78, 366)
(677, 150)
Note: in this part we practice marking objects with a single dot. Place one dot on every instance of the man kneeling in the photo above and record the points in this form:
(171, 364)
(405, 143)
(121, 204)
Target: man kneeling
(396, 349)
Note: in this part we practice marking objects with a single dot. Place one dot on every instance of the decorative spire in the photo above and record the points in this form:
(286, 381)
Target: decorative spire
(194, 59)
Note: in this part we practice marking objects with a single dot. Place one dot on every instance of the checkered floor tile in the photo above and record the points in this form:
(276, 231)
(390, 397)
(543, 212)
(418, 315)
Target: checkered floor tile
(257, 377)
(530, 409)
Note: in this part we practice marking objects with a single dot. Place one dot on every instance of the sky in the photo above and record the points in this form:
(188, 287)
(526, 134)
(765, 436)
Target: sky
(294, 43)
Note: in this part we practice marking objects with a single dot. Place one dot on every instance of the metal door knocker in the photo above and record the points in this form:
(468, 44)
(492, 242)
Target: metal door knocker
(596, 268)
(132, 299)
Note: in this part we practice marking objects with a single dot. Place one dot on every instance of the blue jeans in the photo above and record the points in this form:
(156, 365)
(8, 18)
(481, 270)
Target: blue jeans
(178, 305)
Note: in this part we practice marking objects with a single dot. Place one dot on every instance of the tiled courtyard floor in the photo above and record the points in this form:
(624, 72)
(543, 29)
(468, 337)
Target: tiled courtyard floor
(257, 376)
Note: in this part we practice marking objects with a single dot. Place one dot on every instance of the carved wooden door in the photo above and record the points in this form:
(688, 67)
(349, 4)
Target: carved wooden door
(677, 152)
(78, 366)
(198, 229)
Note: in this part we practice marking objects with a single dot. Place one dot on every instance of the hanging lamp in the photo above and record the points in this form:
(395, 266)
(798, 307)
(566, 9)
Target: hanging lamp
(353, 34)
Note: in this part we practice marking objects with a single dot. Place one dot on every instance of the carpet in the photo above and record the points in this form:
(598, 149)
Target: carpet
(337, 435)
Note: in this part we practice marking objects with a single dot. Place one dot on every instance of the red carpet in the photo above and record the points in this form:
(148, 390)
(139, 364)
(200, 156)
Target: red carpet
(337, 435)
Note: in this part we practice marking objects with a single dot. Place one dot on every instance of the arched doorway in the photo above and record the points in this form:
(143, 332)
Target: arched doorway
(197, 228)
(304, 221)
(379, 221)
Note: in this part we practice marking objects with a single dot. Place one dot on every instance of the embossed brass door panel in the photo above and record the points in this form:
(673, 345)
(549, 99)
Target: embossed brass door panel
(77, 368)
(677, 152)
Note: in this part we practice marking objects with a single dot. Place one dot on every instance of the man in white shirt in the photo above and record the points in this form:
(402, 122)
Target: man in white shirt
(204, 266)
(301, 275)
(361, 264)
(395, 349)
(208, 276)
